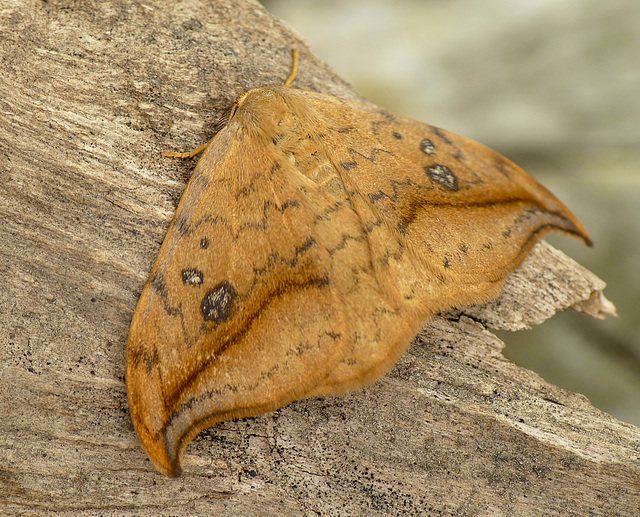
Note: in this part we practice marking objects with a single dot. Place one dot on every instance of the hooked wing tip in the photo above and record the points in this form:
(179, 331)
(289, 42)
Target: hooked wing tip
(165, 457)
(576, 229)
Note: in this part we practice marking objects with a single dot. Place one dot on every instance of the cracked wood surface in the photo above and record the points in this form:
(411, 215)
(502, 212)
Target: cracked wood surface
(89, 97)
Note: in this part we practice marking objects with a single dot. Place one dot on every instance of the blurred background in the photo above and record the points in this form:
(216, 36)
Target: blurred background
(555, 86)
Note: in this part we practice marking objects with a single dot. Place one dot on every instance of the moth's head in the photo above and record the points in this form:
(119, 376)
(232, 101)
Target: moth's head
(261, 102)
(267, 109)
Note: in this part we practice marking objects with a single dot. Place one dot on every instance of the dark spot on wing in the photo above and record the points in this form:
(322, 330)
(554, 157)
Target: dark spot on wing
(442, 175)
(427, 147)
(192, 276)
(218, 302)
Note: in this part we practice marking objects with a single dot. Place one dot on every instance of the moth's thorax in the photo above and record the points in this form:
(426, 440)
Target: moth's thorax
(271, 110)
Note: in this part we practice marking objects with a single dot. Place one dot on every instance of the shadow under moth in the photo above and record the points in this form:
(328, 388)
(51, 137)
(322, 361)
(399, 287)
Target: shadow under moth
(315, 238)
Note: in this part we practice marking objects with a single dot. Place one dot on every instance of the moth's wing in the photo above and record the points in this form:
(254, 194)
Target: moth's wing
(447, 219)
(461, 209)
(238, 316)
(244, 310)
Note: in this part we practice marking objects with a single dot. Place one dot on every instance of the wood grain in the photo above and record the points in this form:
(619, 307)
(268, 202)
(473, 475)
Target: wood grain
(89, 97)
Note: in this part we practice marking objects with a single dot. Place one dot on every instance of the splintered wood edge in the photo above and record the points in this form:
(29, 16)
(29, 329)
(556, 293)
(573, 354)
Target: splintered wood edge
(547, 281)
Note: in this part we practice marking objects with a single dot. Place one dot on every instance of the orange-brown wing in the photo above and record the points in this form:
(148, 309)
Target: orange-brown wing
(461, 209)
(238, 303)
(446, 218)
(262, 285)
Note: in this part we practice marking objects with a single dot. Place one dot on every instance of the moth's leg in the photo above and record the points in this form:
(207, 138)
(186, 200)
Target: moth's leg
(189, 154)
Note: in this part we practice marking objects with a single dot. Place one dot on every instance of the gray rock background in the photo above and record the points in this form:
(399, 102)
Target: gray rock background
(553, 85)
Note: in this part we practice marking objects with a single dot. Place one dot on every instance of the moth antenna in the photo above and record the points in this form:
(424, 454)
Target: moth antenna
(294, 68)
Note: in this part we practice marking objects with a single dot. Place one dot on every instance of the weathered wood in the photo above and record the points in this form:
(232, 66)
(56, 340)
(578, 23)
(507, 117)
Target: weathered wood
(90, 93)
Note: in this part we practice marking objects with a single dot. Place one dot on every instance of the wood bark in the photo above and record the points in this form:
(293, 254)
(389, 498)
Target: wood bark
(90, 94)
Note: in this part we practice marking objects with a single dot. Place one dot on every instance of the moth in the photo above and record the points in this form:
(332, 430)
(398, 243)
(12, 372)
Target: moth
(315, 238)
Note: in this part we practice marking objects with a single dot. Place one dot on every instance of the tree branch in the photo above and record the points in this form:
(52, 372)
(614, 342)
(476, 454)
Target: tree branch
(89, 97)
